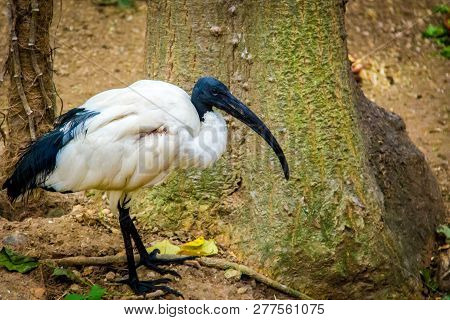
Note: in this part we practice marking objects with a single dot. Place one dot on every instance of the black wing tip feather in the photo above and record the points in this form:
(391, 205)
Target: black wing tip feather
(11, 192)
(38, 160)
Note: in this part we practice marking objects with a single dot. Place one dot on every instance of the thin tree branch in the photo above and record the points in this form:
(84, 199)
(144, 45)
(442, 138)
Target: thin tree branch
(204, 261)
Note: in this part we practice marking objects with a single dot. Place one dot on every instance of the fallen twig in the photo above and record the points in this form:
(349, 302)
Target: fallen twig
(224, 264)
(204, 261)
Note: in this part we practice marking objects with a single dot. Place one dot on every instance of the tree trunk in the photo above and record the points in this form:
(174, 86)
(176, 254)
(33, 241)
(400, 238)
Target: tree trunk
(31, 95)
(359, 211)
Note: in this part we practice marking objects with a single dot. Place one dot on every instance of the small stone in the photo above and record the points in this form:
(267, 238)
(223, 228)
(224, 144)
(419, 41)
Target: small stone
(106, 212)
(76, 273)
(232, 274)
(15, 239)
(110, 276)
(38, 293)
(232, 9)
(77, 209)
(75, 288)
(87, 271)
(242, 290)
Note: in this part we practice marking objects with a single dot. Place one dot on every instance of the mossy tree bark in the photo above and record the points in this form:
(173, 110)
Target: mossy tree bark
(337, 228)
(31, 94)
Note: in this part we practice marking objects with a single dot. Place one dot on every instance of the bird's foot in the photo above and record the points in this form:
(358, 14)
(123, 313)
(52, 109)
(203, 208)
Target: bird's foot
(146, 286)
(151, 261)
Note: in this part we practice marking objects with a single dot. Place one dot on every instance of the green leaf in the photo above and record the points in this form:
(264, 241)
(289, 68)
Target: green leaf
(444, 230)
(441, 8)
(57, 272)
(74, 296)
(95, 293)
(446, 297)
(62, 272)
(446, 53)
(443, 41)
(428, 279)
(433, 31)
(16, 262)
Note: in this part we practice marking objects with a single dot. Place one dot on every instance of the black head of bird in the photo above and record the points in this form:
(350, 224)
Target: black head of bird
(209, 92)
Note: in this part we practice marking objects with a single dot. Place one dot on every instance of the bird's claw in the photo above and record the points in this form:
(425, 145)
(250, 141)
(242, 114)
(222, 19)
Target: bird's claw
(147, 286)
(151, 261)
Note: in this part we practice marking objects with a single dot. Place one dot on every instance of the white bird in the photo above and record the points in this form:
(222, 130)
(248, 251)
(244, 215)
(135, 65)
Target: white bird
(123, 139)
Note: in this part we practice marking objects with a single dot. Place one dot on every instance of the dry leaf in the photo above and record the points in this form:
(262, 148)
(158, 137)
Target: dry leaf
(199, 247)
(165, 247)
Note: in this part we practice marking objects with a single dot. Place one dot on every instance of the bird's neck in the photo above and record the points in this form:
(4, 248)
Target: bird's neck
(201, 108)
(210, 143)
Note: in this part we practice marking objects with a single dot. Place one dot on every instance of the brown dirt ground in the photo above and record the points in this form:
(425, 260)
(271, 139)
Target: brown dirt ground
(99, 48)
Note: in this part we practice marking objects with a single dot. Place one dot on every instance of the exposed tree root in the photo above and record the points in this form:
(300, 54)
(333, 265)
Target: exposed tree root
(204, 261)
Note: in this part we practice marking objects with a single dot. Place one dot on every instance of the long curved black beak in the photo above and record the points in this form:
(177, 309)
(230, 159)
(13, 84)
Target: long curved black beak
(240, 111)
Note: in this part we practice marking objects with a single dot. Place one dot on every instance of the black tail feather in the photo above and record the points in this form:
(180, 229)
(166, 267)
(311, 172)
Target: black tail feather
(39, 159)
(34, 165)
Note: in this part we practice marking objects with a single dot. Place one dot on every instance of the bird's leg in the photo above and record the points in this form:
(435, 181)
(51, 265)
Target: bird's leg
(151, 260)
(139, 287)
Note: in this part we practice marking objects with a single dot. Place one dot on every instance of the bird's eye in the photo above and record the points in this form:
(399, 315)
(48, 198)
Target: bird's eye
(214, 92)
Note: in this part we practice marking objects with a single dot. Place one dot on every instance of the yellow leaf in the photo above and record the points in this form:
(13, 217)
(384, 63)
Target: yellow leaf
(195, 243)
(165, 247)
(199, 247)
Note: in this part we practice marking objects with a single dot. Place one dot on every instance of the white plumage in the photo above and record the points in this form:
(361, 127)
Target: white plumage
(141, 133)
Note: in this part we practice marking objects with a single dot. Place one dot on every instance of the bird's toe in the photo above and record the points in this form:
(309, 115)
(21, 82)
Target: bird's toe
(152, 261)
(146, 286)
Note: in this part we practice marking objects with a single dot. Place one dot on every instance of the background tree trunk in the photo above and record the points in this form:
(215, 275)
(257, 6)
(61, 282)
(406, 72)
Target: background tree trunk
(31, 94)
(358, 215)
